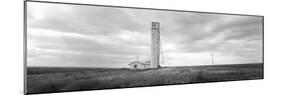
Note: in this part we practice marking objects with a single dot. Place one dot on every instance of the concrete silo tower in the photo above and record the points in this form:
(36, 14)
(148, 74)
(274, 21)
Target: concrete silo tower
(155, 45)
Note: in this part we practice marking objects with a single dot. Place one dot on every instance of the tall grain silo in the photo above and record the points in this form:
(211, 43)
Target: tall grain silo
(155, 45)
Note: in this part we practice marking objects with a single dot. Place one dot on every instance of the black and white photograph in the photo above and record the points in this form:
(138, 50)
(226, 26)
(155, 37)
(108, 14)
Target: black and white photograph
(78, 47)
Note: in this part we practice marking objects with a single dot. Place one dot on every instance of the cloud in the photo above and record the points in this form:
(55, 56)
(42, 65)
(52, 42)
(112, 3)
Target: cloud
(83, 36)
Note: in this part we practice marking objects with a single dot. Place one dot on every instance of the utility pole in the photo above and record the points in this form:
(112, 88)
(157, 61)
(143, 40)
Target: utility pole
(137, 58)
(161, 50)
(212, 55)
(189, 61)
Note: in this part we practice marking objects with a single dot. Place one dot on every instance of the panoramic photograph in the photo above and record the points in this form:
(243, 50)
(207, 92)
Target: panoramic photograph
(76, 47)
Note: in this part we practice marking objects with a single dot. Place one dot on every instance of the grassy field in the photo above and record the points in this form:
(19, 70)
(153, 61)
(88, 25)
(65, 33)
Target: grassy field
(48, 80)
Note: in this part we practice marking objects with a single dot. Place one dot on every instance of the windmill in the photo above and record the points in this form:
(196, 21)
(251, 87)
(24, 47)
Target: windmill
(212, 56)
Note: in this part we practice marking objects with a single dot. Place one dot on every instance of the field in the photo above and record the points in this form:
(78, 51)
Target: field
(49, 80)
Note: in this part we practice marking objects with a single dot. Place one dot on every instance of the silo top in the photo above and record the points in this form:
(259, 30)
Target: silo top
(155, 25)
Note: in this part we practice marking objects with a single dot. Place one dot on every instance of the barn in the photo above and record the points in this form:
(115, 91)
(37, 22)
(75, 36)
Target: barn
(139, 65)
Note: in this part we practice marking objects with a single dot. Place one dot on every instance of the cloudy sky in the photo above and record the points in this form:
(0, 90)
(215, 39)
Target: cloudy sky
(94, 36)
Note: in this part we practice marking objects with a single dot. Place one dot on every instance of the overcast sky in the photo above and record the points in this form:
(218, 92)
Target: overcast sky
(94, 36)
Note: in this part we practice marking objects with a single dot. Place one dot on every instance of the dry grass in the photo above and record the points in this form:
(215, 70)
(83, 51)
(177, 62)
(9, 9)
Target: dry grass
(45, 80)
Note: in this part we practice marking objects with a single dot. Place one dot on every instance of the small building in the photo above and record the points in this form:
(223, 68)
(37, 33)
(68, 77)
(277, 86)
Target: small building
(139, 65)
